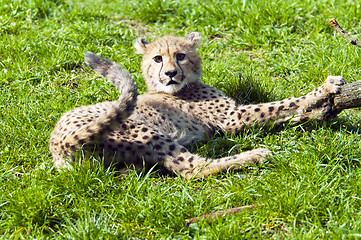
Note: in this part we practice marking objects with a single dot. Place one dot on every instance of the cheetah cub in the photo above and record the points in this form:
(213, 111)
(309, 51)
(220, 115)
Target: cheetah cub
(178, 109)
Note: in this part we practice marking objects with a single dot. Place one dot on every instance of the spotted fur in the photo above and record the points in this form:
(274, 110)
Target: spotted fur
(177, 110)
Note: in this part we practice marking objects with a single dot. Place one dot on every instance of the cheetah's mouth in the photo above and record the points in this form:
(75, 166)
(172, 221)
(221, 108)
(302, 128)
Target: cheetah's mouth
(172, 82)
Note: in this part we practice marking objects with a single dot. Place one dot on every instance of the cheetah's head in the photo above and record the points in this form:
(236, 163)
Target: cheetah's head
(170, 63)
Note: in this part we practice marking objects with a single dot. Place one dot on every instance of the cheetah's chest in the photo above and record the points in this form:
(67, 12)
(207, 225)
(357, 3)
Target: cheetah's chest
(170, 117)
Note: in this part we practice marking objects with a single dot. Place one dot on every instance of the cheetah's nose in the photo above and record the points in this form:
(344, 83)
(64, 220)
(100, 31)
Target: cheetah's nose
(171, 73)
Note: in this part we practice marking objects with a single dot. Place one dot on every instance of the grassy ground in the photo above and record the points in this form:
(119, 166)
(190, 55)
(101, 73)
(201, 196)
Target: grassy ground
(252, 50)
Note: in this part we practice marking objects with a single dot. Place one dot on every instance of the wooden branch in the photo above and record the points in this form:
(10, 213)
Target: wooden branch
(339, 29)
(350, 96)
(211, 216)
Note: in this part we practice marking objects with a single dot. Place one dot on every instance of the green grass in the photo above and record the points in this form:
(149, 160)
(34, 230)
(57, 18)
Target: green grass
(254, 51)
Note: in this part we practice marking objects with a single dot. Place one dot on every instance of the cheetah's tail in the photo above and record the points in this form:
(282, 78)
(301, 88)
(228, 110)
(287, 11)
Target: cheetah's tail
(112, 71)
(109, 118)
(125, 104)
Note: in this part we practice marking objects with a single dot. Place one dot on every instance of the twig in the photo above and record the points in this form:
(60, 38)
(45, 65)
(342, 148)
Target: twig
(222, 213)
(339, 29)
(350, 96)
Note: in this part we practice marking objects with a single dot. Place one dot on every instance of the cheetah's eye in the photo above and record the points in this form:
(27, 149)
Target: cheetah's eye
(158, 59)
(180, 56)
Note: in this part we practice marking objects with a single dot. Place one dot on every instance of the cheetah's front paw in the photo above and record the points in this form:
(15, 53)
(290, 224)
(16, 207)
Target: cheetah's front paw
(318, 103)
(333, 84)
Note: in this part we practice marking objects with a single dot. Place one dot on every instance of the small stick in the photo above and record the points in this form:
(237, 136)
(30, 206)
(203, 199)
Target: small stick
(222, 213)
(339, 29)
(350, 96)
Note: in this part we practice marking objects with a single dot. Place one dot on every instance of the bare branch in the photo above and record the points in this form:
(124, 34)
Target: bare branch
(339, 29)
(222, 213)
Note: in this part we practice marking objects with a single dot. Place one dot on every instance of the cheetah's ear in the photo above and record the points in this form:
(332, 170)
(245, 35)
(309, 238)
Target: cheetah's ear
(194, 38)
(140, 45)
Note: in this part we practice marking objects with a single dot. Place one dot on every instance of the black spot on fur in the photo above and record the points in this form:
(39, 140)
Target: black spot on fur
(239, 116)
(157, 147)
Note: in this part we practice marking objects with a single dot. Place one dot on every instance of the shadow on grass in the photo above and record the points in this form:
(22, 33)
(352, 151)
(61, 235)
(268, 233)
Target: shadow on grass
(246, 90)
(343, 124)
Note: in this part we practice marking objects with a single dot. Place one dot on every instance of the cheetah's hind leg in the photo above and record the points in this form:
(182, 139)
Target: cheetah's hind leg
(245, 159)
(189, 165)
